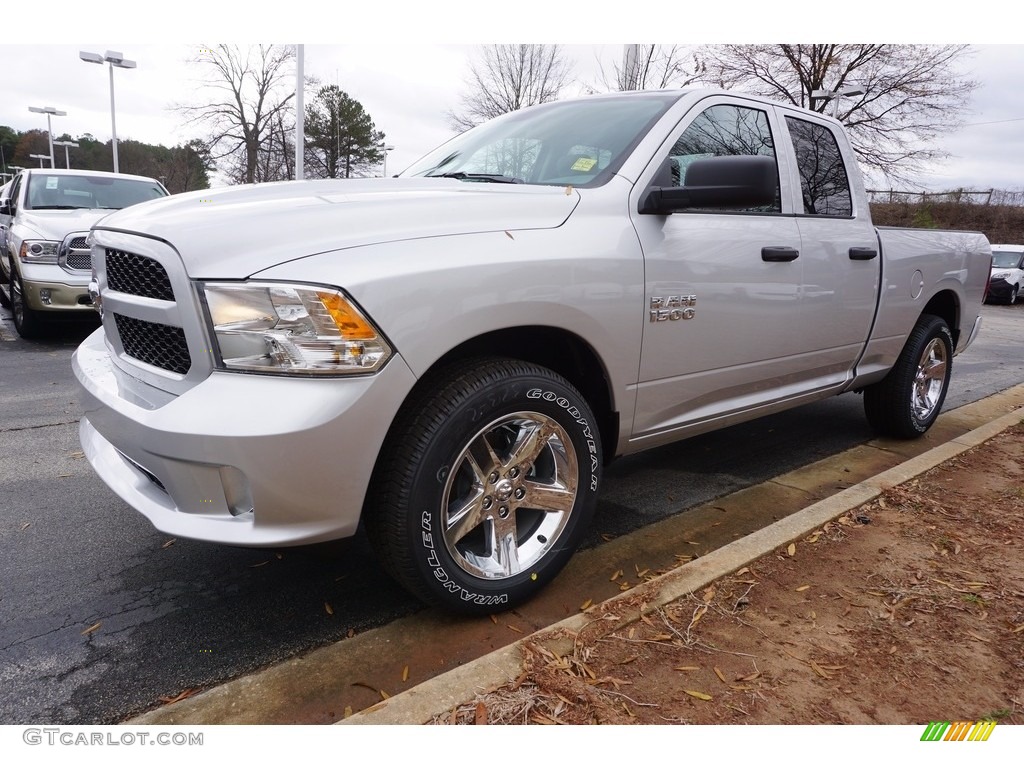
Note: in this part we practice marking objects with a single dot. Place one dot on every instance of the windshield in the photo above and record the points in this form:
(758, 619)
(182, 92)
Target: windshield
(1006, 259)
(581, 143)
(60, 192)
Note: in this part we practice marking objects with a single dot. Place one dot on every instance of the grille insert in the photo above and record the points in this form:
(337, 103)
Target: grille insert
(162, 346)
(137, 275)
(77, 254)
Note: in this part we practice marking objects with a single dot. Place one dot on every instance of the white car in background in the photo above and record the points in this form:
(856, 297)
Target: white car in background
(1007, 273)
(45, 264)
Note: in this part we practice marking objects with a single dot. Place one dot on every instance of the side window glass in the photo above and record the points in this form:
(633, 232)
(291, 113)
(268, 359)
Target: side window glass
(14, 194)
(724, 129)
(824, 185)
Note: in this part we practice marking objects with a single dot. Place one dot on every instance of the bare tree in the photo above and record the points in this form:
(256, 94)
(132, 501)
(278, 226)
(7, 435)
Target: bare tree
(910, 93)
(248, 118)
(645, 67)
(509, 77)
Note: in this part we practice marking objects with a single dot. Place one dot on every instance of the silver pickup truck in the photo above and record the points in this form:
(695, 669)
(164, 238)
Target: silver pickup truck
(451, 356)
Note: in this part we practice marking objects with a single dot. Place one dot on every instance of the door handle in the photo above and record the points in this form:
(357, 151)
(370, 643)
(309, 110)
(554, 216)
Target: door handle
(863, 254)
(779, 253)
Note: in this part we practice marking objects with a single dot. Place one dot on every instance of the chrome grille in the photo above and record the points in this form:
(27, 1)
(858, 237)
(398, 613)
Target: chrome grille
(137, 275)
(162, 346)
(74, 253)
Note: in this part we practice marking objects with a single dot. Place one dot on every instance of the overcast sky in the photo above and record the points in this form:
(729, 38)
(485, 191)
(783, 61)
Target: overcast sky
(408, 67)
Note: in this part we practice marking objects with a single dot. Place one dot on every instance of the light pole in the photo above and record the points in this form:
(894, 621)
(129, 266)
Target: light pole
(385, 148)
(115, 59)
(835, 96)
(48, 111)
(66, 144)
(40, 158)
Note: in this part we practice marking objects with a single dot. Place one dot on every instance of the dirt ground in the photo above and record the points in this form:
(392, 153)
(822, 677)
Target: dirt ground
(906, 610)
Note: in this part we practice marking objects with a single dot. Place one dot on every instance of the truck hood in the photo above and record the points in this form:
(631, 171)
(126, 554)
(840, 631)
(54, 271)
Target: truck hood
(54, 225)
(234, 232)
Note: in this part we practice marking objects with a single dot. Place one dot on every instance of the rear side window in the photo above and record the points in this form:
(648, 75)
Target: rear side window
(824, 185)
(724, 129)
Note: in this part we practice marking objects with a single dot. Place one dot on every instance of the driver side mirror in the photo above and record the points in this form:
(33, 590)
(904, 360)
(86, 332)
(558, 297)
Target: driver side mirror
(729, 181)
(5, 207)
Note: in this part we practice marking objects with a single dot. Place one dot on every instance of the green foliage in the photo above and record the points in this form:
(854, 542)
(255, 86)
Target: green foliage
(181, 168)
(341, 139)
(923, 219)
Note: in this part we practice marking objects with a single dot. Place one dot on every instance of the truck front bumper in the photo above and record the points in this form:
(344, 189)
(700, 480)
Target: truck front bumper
(240, 459)
(53, 290)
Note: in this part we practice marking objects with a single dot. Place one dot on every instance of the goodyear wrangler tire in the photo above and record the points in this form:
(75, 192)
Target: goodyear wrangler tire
(487, 482)
(907, 401)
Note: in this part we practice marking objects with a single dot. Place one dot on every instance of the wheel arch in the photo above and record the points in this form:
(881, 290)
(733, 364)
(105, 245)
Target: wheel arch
(557, 349)
(946, 305)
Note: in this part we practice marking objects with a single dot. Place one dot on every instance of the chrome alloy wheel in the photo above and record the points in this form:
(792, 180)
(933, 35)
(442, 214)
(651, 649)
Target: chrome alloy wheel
(509, 495)
(929, 379)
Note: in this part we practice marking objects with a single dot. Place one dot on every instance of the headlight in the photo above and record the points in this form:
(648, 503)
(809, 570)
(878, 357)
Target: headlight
(1000, 275)
(281, 328)
(38, 251)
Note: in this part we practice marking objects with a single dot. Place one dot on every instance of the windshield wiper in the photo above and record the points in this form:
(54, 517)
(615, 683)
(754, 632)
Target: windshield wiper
(56, 207)
(496, 178)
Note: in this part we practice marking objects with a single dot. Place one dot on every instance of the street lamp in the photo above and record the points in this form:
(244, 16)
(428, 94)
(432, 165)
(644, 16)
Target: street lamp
(48, 111)
(835, 96)
(66, 144)
(40, 158)
(115, 59)
(385, 148)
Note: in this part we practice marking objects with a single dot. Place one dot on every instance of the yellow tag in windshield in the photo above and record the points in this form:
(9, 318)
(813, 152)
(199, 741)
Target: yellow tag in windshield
(584, 164)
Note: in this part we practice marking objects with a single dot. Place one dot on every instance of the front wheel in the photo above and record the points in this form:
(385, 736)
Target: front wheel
(486, 484)
(1013, 295)
(907, 401)
(26, 319)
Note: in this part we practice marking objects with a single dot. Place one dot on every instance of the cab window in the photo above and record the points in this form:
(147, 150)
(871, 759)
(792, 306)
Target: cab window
(824, 184)
(724, 129)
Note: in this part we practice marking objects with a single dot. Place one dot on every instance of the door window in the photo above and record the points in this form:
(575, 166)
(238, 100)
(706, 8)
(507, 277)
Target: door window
(824, 184)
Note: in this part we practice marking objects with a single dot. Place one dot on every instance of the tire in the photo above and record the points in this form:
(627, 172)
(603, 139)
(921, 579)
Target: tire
(485, 486)
(1013, 295)
(907, 401)
(26, 320)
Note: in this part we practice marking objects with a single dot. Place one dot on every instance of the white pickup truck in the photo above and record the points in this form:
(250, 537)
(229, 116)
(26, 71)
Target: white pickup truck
(451, 356)
(45, 216)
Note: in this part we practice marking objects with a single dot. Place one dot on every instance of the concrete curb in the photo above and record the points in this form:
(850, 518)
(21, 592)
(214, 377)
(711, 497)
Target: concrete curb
(439, 695)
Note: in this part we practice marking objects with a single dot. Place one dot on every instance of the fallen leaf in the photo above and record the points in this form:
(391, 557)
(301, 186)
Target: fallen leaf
(92, 629)
(718, 672)
(405, 674)
(586, 604)
(514, 628)
(698, 695)
(480, 716)
(509, 235)
(258, 565)
(180, 697)
(77, 454)
(749, 678)
(348, 711)
(25, 525)
(791, 549)
(327, 607)
(168, 543)
(616, 576)
(804, 588)
(687, 669)
(741, 571)
(818, 670)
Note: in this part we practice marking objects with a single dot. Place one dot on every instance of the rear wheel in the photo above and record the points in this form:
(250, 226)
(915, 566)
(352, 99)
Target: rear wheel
(486, 485)
(908, 400)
